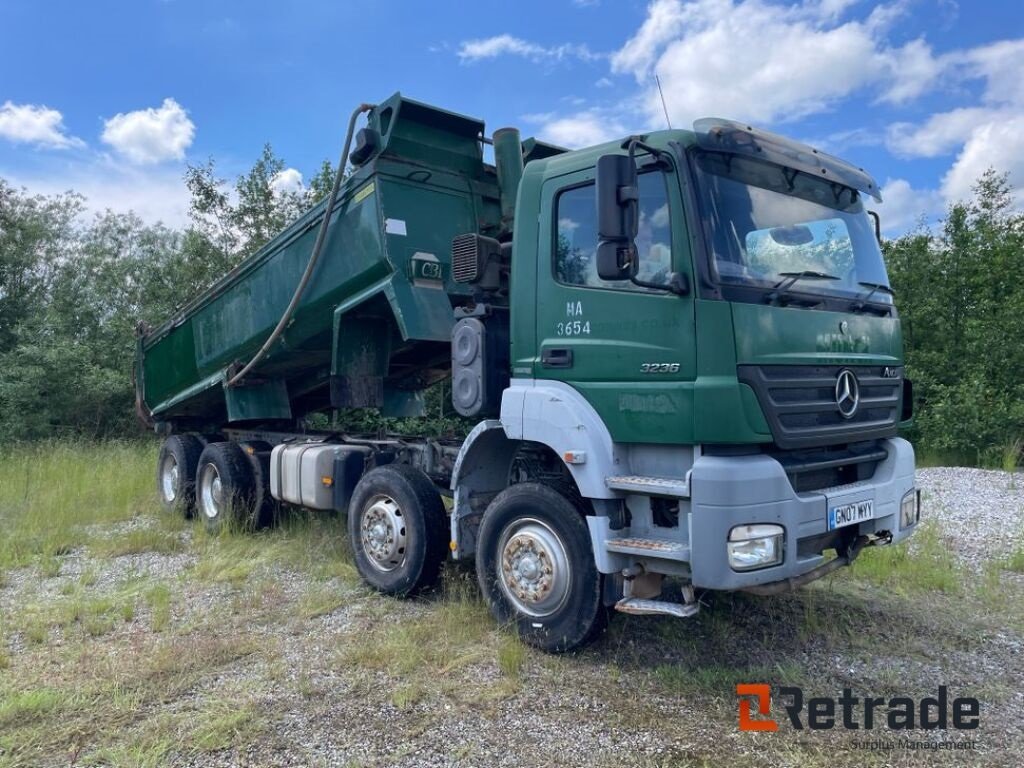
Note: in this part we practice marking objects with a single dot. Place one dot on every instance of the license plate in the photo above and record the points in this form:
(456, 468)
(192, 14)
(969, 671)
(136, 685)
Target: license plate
(850, 514)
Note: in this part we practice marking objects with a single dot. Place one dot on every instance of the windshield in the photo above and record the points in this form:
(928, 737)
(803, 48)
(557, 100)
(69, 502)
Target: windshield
(772, 225)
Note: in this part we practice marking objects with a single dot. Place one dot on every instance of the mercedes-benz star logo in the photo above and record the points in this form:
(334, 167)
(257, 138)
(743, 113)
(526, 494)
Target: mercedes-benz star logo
(847, 393)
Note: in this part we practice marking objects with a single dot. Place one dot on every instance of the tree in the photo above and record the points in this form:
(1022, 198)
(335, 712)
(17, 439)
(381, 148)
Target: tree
(962, 302)
(240, 224)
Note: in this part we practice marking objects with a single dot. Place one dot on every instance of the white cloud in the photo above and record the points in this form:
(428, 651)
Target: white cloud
(1001, 65)
(154, 193)
(938, 135)
(918, 70)
(988, 134)
(996, 144)
(583, 129)
(151, 135)
(604, 82)
(35, 124)
(764, 62)
(288, 180)
(902, 206)
(507, 45)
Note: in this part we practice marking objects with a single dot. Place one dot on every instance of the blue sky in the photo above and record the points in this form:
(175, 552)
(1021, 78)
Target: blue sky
(113, 99)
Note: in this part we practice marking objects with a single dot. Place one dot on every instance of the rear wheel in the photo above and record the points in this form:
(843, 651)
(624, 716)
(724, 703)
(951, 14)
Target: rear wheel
(176, 473)
(264, 507)
(398, 529)
(225, 487)
(536, 569)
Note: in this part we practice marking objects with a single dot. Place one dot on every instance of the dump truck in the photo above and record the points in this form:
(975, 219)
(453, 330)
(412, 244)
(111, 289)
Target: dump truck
(678, 353)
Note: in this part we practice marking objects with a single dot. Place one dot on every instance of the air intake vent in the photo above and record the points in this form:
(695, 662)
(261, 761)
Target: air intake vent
(466, 262)
(477, 260)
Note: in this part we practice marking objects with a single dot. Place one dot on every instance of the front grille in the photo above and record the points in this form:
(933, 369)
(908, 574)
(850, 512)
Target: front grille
(799, 402)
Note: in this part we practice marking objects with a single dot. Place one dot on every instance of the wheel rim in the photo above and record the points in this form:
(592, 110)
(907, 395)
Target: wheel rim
(169, 476)
(382, 532)
(211, 492)
(534, 567)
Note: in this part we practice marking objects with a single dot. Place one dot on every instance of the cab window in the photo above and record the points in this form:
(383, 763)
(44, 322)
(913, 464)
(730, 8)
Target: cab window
(576, 239)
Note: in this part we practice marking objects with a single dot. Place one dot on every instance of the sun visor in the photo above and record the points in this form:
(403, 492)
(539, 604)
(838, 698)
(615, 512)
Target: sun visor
(719, 135)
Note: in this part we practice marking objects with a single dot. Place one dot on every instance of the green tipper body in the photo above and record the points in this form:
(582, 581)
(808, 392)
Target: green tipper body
(379, 303)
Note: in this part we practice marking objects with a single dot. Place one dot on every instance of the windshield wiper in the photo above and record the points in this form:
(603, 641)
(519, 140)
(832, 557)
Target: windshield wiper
(862, 301)
(790, 279)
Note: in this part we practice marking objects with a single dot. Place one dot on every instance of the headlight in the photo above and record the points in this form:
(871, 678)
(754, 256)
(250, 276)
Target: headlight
(910, 508)
(755, 546)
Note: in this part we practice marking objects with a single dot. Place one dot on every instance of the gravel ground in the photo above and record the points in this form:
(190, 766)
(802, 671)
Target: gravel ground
(981, 511)
(614, 704)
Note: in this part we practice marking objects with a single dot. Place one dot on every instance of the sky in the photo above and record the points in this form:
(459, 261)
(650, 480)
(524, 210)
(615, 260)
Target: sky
(114, 99)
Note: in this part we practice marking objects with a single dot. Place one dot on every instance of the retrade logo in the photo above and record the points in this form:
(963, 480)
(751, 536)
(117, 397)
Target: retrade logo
(851, 712)
(762, 692)
(847, 393)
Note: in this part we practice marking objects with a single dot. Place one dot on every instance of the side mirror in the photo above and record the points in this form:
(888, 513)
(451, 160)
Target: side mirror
(618, 198)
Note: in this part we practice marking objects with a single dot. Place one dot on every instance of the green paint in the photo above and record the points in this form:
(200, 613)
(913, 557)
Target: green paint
(657, 367)
(390, 237)
(267, 400)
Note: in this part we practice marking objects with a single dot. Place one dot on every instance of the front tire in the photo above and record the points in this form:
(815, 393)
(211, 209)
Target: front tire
(536, 569)
(225, 487)
(176, 473)
(399, 530)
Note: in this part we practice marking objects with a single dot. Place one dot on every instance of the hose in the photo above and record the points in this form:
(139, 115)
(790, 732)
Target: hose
(313, 257)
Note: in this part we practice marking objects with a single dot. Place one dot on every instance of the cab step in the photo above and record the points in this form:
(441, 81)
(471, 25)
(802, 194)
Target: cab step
(665, 549)
(640, 607)
(672, 487)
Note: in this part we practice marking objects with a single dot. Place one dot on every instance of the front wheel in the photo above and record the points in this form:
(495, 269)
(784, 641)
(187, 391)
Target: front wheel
(536, 569)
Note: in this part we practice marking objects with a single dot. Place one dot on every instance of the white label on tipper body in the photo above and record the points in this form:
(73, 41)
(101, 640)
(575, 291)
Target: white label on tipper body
(395, 226)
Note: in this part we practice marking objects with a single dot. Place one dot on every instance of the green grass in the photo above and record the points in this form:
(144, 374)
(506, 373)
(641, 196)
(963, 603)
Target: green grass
(456, 633)
(158, 598)
(1015, 560)
(313, 543)
(51, 493)
(922, 563)
(93, 615)
(226, 723)
(139, 540)
(110, 703)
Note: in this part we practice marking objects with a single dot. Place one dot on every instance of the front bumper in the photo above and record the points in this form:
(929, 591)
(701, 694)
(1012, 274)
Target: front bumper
(730, 491)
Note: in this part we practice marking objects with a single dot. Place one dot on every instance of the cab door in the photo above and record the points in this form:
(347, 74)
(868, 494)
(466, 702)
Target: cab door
(630, 351)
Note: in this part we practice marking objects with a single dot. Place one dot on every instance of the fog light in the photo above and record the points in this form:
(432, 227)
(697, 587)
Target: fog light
(754, 546)
(910, 508)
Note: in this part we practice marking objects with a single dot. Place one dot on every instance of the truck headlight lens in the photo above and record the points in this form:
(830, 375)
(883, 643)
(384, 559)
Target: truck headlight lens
(910, 508)
(755, 546)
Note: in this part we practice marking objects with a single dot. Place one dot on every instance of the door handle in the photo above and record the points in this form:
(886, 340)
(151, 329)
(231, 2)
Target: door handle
(558, 357)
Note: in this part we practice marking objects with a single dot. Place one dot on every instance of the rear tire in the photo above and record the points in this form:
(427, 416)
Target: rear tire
(399, 530)
(176, 473)
(264, 506)
(535, 565)
(225, 487)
